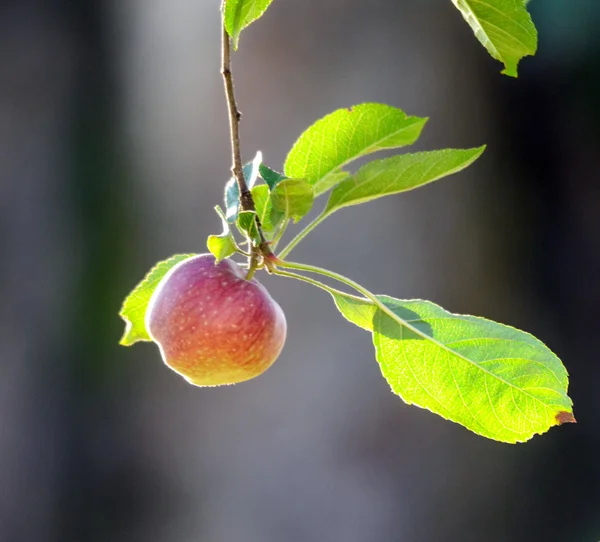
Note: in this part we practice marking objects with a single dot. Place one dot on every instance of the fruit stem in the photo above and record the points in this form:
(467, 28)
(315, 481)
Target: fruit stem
(246, 200)
(251, 270)
(314, 282)
(350, 283)
(310, 227)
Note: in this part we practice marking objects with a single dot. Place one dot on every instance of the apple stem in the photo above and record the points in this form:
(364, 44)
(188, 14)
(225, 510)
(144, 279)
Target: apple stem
(246, 201)
(350, 283)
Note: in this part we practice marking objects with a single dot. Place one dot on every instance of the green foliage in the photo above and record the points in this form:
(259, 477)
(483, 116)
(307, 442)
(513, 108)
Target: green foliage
(224, 245)
(134, 307)
(246, 223)
(269, 217)
(241, 13)
(269, 176)
(398, 174)
(232, 191)
(503, 27)
(495, 380)
(345, 135)
(293, 198)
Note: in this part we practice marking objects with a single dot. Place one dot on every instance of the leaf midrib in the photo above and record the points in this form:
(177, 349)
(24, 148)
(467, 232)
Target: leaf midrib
(479, 25)
(366, 151)
(417, 331)
(345, 201)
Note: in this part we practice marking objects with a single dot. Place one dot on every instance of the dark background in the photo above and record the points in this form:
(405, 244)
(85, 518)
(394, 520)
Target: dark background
(113, 151)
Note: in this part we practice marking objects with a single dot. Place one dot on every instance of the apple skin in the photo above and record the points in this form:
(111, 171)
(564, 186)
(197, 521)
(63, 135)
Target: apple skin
(212, 326)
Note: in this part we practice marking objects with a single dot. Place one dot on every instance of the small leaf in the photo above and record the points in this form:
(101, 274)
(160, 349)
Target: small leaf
(134, 307)
(345, 135)
(221, 246)
(293, 197)
(232, 191)
(232, 200)
(398, 174)
(504, 28)
(224, 245)
(497, 381)
(246, 223)
(270, 176)
(241, 13)
(269, 217)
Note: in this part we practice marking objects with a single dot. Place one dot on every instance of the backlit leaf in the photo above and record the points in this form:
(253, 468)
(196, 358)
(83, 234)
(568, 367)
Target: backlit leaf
(293, 197)
(246, 223)
(241, 13)
(232, 191)
(345, 135)
(134, 307)
(269, 217)
(398, 174)
(221, 246)
(495, 380)
(270, 176)
(504, 28)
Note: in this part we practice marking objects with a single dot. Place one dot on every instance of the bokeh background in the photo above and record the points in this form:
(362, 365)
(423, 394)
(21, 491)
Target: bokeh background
(113, 151)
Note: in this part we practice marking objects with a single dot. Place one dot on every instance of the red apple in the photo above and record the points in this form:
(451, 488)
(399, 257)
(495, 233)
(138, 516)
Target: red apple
(212, 326)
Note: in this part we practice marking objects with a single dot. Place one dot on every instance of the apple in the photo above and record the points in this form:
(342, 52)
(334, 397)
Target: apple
(212, 325)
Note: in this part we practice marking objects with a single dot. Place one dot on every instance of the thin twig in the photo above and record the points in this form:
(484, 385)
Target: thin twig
(246, 201)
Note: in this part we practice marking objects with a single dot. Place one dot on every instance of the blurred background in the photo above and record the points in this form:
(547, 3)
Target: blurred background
(114, 150)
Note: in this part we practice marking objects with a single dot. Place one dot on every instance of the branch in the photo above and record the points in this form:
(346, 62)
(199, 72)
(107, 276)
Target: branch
(246, 201)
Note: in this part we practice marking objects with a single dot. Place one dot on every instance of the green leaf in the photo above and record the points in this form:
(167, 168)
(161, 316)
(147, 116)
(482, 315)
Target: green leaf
(241, 13)
(246, 223)
(504, 28)
(293, 197)
(224, 245)
(269, 217)
(398, 174)
(497, 381)
(345, 135)
(134, 307)
(232, 191)
(270, 176)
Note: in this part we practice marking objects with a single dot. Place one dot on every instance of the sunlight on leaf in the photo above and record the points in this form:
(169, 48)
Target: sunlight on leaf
(398, 174)
(232, 192)
(269, 217)
(293, 197)
(246, 224)
(345, 135)
(241, 13)
(270, 176)
(495, 380)
(134, 307)
(221, 246)
(504, 28)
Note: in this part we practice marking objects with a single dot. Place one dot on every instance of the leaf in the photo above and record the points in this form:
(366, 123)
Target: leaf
(269, 217)
(246, 223)
(270, 176)
(504, 28)
(497, 381)
(241, 13)
(345, 135)
(232, 191)
(398, 174)
(293, 197)
(221, 246)
(134, 307)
